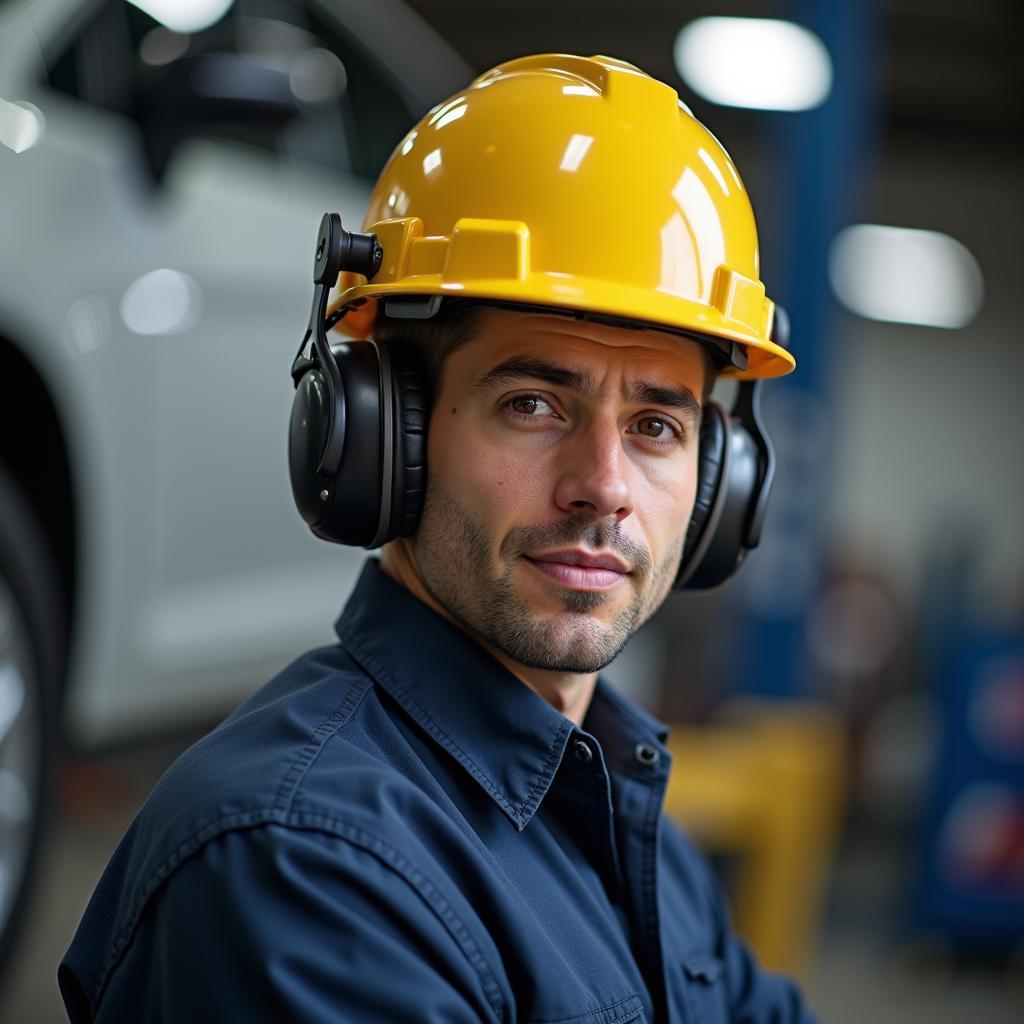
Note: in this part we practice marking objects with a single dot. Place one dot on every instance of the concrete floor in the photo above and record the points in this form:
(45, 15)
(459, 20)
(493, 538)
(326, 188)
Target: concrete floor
(858, 976)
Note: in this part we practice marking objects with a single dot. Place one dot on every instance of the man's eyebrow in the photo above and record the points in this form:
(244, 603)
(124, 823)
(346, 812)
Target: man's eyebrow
(680, 397)
(539, 369)
(641, 392)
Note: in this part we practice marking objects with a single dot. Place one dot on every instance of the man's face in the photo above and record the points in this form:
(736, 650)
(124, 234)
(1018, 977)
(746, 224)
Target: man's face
(562, 463)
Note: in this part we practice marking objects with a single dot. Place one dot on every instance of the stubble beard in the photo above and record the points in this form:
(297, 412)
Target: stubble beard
(453, 552)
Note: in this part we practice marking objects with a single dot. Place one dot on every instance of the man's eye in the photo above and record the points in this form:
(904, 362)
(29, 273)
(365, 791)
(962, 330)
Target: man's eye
(654, 427)
(657, 428)
(528, 405)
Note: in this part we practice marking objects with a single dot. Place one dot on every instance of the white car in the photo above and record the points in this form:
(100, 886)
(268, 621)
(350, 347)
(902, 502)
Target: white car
(160, 193)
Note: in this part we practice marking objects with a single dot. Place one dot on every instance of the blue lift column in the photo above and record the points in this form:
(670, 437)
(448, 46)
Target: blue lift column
(820, 155)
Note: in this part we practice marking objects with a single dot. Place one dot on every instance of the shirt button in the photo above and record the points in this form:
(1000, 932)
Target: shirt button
(646, 754)
(582, 751)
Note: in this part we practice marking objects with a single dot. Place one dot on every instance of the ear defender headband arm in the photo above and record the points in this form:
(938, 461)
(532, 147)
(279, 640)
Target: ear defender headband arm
(336, 250)
(747, 409)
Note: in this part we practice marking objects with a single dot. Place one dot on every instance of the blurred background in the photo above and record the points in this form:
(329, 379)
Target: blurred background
(848, 713)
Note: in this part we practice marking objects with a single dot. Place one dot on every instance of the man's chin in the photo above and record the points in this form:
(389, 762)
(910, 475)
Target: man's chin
(568, 641)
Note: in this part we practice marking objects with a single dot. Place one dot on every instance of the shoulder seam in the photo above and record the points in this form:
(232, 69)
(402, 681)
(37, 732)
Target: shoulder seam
(285, 796)
(337, 828)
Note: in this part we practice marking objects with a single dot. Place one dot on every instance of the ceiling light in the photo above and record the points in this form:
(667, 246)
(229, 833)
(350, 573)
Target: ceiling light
(761, 63)
(905, 275)
(162, 302)
(185, 15)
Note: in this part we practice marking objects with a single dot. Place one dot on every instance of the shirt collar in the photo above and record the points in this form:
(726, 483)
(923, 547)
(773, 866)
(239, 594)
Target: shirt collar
(505, 735)
(502, 732)
(621, 726)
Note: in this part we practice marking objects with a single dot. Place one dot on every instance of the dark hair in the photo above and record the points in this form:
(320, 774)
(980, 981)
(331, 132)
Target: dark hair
(434, 340)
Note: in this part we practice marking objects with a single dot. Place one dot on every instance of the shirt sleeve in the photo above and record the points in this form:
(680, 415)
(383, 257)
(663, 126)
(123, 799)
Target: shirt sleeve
(279, 924)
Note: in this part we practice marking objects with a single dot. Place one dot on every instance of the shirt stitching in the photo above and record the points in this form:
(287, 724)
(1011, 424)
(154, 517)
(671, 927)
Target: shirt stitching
(285, 796)
(630, 1013)
(340, 829)
(281, 805)
(429, 892)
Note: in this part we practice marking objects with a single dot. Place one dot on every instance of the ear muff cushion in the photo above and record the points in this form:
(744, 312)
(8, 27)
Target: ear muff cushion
(410, 415)
(711, 456)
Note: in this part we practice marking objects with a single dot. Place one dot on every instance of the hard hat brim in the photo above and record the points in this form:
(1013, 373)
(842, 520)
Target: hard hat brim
(648, 310)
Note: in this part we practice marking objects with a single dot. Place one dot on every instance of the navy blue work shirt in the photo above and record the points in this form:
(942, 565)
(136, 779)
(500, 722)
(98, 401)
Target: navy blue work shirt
(396, 829)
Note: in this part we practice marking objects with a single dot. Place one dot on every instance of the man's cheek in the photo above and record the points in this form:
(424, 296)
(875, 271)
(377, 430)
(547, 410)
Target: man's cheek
(501, 480)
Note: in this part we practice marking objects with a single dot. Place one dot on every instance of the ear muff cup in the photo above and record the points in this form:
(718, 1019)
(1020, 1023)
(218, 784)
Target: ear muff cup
(380, 414)
(354, 512)
(342, 507)
(731, 480)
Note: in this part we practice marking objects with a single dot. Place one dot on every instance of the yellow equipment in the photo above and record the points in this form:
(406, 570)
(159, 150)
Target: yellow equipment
(573, 182)
(766, 784)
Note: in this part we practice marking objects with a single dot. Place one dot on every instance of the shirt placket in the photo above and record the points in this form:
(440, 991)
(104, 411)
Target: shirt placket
(637, 805)
(584, 793)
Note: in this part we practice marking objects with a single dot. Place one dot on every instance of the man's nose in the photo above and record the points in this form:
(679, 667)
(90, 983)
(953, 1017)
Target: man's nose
(594, 472)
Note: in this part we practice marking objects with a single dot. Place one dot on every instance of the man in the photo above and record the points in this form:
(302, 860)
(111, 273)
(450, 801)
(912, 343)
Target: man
(448, 816)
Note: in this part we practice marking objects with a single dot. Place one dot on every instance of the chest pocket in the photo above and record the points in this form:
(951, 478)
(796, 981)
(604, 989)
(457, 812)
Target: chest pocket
(704, 989)
(624, 1011)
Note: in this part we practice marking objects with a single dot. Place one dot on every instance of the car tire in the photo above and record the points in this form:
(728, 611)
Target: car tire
(32, 656)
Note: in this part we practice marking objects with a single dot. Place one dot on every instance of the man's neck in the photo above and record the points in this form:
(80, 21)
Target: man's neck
(566, 692)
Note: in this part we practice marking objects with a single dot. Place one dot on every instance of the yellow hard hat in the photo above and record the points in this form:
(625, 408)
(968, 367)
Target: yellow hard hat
(579, 183)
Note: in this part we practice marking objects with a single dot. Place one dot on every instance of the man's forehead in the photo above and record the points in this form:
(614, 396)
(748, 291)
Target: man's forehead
(502, 333)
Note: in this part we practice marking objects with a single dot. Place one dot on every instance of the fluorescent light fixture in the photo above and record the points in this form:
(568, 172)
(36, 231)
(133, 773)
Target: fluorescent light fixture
(185, 15)
(21, 125)
(161, 302)
(762, 63)
(905, 275)
(575, 152)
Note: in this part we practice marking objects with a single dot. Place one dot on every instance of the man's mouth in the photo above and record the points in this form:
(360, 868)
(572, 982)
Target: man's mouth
(577, 569)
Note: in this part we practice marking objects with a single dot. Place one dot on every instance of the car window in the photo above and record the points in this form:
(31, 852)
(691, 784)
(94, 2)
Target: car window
(270, 73)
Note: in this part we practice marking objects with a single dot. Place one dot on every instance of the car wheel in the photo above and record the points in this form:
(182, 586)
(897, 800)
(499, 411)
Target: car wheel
(32, 642)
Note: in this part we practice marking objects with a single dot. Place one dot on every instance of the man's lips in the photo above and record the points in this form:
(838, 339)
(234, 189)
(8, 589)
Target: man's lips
(581, 570)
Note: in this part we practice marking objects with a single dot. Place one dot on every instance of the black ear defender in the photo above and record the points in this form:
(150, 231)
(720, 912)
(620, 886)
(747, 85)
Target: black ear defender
(355, 445)
(736, 467)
